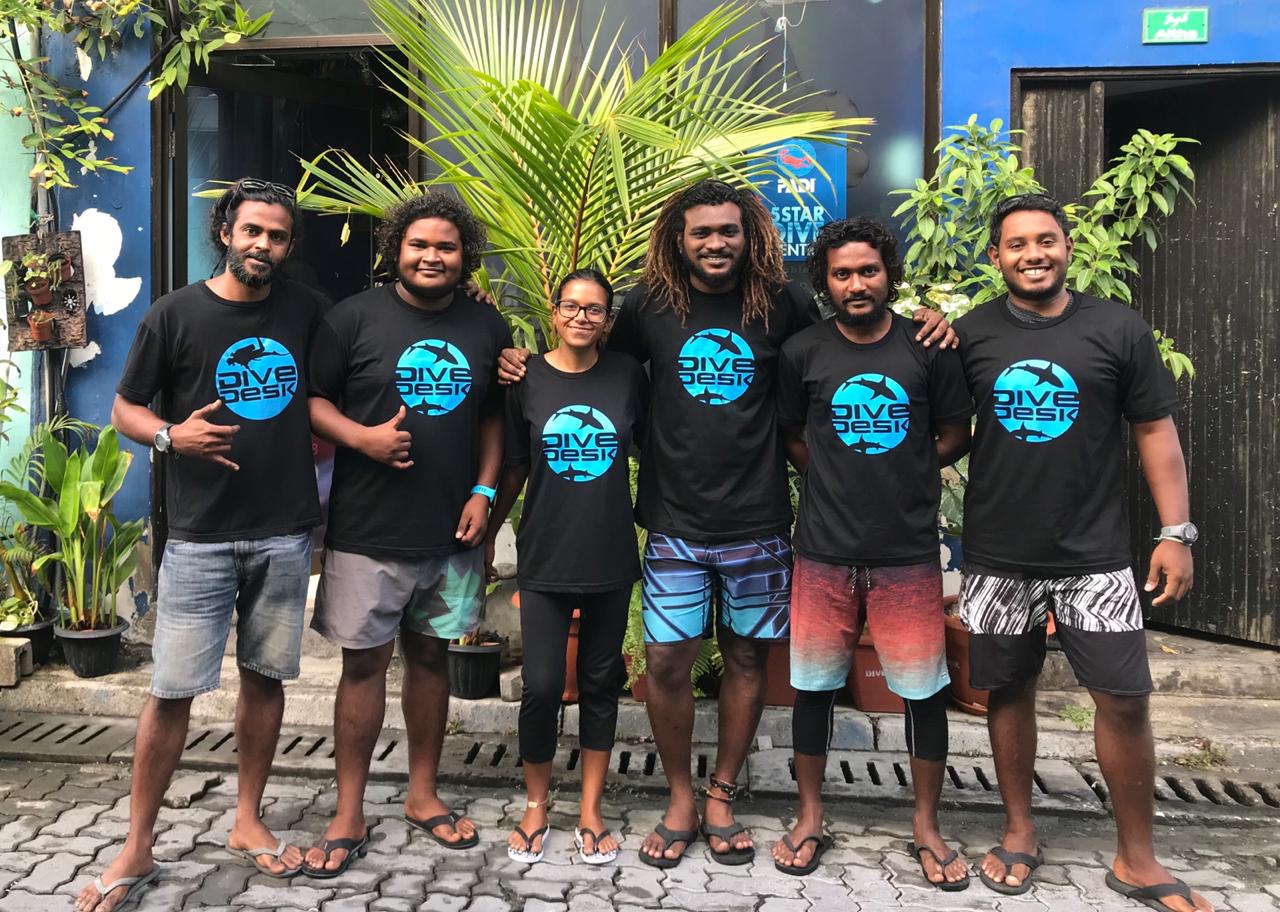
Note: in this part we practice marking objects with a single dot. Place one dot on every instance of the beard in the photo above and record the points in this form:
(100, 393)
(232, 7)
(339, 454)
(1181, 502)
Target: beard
(863, 320)
(720, 281)
(1039, 294)
(236, 262)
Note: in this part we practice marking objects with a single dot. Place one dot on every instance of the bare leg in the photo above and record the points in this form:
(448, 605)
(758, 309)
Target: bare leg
(537, 786)
(1011, 724)
(670, 708)
(595, 766)
(809, 774)
(926, 781)
(741, 703)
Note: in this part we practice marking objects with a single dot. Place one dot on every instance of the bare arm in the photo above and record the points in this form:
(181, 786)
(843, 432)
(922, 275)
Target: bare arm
(195, 437)
(796, 449)
(1163, 465)
(474, 521)
(385, 442)
(952, 440)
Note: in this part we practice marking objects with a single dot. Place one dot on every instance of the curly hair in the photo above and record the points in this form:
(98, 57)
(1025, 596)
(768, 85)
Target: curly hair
(432, 204)
(860, 228)
(1027, 202)
(666, 272)
(225, 207)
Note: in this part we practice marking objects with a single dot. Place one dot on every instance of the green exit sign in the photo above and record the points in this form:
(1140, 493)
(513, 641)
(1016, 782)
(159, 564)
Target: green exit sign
(1186, 25)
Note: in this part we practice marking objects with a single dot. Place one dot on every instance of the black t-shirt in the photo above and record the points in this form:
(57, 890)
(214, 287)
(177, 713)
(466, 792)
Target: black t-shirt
(374, 353)
(194, 347)
(870, 495)
(1046, 487)
(574, 430)
(713, 469)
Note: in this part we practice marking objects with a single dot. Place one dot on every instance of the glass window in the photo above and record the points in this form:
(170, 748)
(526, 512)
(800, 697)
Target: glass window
(313, 17)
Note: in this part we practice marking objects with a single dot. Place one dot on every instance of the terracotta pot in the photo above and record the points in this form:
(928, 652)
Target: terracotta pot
(967, 698)
(570, 694)
(40, 291)
(41, 330)
(778, 691)
(867, 686)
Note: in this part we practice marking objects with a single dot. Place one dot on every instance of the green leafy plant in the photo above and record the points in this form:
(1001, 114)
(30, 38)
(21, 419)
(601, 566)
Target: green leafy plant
(567, 166)
(1079, 716)
(36, 268)
(1207, 755)
(96, 550)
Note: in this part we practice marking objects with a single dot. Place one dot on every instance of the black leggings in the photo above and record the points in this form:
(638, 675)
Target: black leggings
(926, 724)
(544, 628)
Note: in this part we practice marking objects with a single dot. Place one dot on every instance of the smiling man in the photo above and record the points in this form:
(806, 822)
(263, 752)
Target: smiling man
(1055, 374)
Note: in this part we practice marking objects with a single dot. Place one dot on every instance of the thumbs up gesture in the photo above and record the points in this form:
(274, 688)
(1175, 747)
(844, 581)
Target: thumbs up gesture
(387, 444)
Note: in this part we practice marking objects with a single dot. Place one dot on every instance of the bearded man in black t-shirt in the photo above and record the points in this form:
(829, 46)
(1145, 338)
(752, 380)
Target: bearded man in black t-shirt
(1053, 373)
(709, 318)
(223, 360)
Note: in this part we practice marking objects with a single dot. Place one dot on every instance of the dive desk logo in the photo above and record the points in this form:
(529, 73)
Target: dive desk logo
(433, 377)
(716, 366)
(870, 413)
(579, 442)
(256, 378)
(1036, 401)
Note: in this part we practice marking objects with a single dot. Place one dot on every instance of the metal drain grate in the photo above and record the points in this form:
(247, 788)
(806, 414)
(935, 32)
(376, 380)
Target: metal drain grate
(886, 778)
(1186, 796)
(83, 739)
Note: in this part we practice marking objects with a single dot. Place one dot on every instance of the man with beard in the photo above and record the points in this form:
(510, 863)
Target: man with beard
(402, 382)
(223, 359)
(1053, 372)
(710, 317)
(880, 415)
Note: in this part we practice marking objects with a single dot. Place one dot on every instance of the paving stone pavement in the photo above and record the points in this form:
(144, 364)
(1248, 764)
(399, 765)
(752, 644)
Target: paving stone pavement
(59, 826)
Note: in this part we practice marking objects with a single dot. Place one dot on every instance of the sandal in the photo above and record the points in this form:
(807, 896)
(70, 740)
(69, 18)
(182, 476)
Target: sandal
(1150, 895)
(356, 848)
(251, 856)
(730, 855)
(133, 887)
(527, 855)
(669, 837)
(451, 819)
(1009, 859)
(822, 843)
(595, 857)
(949, 886)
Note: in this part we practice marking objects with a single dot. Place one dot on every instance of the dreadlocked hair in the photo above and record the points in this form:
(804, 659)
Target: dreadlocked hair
(666, 272)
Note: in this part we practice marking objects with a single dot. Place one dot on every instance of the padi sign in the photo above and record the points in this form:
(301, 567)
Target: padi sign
(1187, 25)
(822, 198)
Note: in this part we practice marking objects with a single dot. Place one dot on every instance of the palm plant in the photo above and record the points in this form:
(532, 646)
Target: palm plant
(568, 165)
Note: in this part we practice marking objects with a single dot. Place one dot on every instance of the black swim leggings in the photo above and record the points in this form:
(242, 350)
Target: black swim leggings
(925, 720)
(544, 628)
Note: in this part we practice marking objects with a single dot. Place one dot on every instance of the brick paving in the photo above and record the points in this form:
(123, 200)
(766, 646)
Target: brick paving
(60, 825)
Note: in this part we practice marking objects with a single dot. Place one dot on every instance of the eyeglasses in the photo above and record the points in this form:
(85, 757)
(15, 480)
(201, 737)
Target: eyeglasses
(254, 185)
(595, 313)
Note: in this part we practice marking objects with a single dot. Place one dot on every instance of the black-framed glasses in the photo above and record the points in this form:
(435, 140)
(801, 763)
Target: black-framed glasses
(594, 313)
(254, 185)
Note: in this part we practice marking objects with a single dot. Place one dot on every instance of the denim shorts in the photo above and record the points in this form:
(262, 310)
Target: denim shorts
(263, 582)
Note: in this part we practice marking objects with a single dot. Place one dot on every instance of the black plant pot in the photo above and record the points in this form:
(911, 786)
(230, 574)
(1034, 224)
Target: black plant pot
(473, 670)
(41, 636)
(92, 653)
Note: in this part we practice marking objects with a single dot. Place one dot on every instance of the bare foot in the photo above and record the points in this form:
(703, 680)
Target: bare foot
(593, 820)
(682, 815)
(129, 863)
(720, 814)
(253, 834)
(339, 828)
(927, 836)
(994, 868)
(1152, 872)
(534, 819)
(806, 825)
(434, 807)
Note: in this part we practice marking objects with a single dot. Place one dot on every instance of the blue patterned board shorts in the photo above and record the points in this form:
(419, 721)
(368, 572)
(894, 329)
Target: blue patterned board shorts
(684, 580)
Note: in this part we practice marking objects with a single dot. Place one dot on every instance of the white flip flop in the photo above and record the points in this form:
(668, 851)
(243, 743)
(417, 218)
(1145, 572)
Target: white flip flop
(595, 858)
(527, 855)
(251, 856)
(134, 886)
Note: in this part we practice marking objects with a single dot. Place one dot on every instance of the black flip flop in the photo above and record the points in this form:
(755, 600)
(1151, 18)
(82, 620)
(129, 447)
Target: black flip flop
(822, 843)
(1009, 859)
(669, 836)
(949, 886)
(729, 856)
(1150, 896)
(356, 848)
(428, 826)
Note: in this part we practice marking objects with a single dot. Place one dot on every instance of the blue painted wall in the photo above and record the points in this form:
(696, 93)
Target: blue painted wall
(982, 40)
(127, 198)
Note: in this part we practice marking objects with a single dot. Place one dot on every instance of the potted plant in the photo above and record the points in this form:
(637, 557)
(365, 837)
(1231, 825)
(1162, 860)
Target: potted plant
(37, 278)
(95, 549)
(20, 611)
(473, 665)
(40, 322)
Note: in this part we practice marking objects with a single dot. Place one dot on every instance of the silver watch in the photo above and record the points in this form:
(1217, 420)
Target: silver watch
(1186, 533)
(162, 442)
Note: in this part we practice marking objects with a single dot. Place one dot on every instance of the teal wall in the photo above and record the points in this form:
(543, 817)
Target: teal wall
(14, 211)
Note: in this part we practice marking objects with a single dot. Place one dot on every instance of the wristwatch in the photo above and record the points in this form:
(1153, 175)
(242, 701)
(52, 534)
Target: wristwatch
(1185, 533)
(162, 442)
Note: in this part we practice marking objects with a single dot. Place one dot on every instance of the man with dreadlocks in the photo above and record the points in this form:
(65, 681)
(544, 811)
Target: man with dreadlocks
(710, 317)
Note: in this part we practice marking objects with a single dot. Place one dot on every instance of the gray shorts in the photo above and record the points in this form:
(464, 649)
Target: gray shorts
(363, 601)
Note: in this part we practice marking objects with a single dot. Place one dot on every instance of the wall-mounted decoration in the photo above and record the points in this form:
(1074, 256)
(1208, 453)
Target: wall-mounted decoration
(44, 291)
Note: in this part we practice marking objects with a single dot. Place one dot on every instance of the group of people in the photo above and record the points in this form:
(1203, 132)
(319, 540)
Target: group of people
(718, 372)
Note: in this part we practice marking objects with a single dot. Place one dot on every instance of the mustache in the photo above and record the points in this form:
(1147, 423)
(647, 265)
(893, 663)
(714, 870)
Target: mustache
(855, 299)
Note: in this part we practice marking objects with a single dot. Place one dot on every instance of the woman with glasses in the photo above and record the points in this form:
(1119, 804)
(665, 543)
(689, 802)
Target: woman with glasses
(570, 425)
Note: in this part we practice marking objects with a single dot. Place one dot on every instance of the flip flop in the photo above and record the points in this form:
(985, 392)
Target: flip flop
(527, 855)
(597, 857)
(1150, 896)
(949, 886)
(822, 843)
(428, 826)
(134, 887)
(251, 856)
(729, 856)
(1009, 859)
(356, 848)
(669, 836)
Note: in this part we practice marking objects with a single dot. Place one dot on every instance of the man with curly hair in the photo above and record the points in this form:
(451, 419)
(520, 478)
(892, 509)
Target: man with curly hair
(402, 382)
(868, 416)
(710, 316)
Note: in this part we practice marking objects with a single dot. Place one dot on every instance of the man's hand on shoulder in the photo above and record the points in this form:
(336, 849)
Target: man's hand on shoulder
(200, 438)
(473, 290)
(511, 367)
(935, 328)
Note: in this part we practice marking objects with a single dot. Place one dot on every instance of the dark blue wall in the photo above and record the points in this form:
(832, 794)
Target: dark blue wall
(982, 40)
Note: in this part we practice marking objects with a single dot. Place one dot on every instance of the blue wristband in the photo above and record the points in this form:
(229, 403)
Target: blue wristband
(486, 491)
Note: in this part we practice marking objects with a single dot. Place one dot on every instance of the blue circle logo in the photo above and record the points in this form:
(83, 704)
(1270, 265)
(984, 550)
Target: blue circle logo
(870, 413)
(716, 366)
(579, 443)
(1035, 400)
(433, 377)
(256, 378)
(797, 157)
